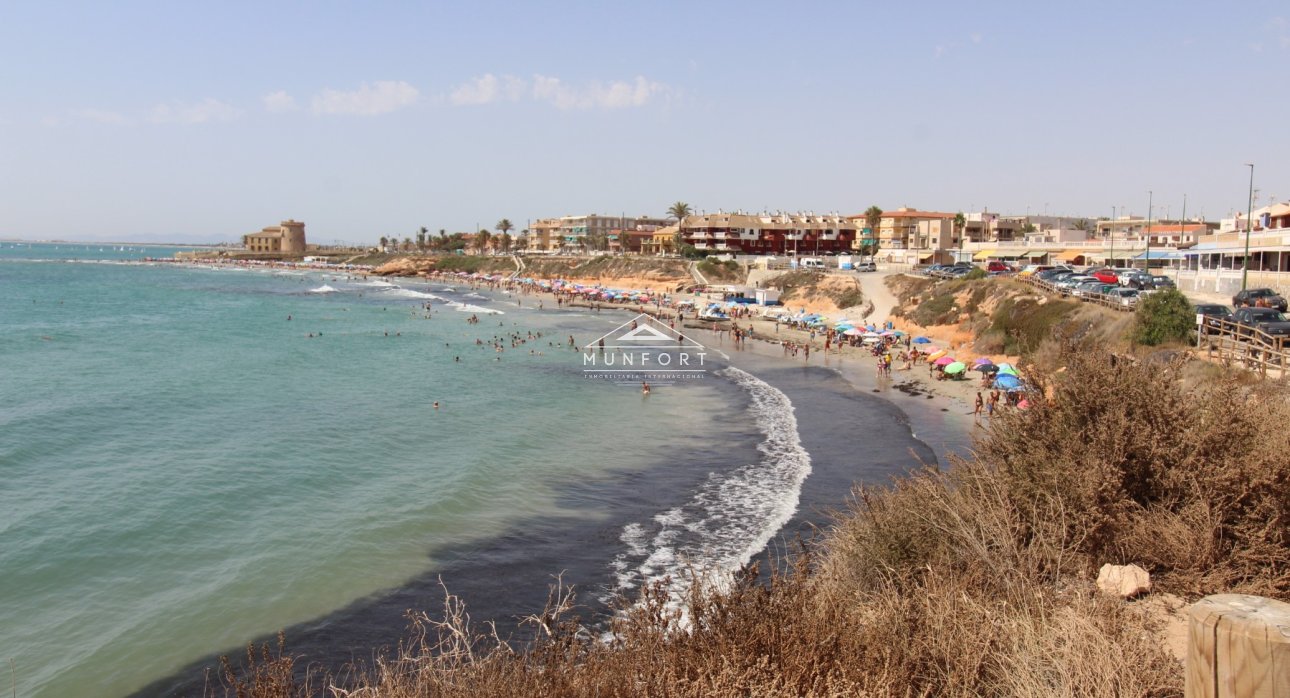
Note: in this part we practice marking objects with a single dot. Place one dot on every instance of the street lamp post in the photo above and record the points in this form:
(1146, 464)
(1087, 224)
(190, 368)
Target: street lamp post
(1249, 225)
(1147, 265)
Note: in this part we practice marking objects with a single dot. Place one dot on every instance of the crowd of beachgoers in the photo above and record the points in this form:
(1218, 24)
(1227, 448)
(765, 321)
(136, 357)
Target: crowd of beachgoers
(799, 333)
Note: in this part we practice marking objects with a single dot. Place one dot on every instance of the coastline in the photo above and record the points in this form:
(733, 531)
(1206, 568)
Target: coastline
(820, 389)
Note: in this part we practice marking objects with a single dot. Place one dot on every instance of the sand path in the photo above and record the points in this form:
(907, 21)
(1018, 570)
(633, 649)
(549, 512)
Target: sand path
(874, 287)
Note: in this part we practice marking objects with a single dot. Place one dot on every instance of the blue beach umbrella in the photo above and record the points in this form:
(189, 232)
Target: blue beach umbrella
(1007, 382)
(922, 340)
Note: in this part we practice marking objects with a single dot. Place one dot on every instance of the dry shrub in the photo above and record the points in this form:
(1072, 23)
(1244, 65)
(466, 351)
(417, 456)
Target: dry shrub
(1195, 482)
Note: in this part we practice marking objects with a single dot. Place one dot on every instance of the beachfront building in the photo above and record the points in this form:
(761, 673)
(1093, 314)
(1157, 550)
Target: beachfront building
(661, 241)
(544, 235)
(288, 237)
(576, 234)
(1218, 260)
(769, 233)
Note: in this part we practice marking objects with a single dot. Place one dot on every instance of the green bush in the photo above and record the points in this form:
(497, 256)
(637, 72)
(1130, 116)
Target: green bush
(976, 273)
(1164, 316)
(1025, 323)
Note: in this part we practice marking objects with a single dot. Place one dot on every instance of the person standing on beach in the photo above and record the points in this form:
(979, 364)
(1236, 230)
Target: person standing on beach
(994, 401)
(979, 407)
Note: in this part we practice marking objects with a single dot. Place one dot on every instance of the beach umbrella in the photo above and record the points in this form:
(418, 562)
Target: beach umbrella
(946, 361)
(1006, 370)
(922, 340)
(936, 355)
(853, 332)
(986, 368)
(1007, 367)
(887, 333)
(956, 367)
(898, 333)
(1007, 382)
(982, 361)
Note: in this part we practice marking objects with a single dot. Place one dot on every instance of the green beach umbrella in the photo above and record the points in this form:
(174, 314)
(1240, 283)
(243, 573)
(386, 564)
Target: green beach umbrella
(956, 367)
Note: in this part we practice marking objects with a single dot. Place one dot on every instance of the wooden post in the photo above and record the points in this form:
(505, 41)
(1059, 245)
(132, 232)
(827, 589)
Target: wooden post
(1238, 647)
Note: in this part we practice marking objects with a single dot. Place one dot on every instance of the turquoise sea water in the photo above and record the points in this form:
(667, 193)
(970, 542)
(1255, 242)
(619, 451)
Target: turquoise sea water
(182, 468)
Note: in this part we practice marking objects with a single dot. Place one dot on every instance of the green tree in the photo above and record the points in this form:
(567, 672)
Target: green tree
(385, 242)
(421, 238)
(960, 222)
(504, 242)
(1081, 224)
(1164, 316)
(482, 238)
(504, 226)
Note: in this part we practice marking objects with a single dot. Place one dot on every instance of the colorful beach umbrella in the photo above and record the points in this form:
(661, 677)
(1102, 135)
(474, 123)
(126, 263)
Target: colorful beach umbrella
(982, 361)
(946, 361)
(936, 354)
(955, 368)
(922, 340)
(853, 332)
(987, 368)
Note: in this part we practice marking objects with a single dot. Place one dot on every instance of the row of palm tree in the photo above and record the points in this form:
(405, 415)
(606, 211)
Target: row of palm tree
(484, 240)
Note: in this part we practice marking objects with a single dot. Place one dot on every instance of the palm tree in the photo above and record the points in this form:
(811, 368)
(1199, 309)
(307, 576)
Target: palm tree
(679, 211)
(504, 226)
(960, 222)
(872, 217)
(421, 238)
(504, 242)
(385, 242)
(482, 239)
(1081, 224)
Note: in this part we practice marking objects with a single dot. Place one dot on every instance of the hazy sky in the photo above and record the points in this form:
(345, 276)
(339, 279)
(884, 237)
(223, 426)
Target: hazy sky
(203, 121)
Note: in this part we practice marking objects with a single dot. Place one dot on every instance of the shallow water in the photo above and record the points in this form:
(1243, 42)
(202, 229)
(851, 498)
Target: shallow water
(184, 469)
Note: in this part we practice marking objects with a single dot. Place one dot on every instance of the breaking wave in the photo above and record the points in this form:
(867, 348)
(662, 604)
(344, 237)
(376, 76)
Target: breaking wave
(732, 516)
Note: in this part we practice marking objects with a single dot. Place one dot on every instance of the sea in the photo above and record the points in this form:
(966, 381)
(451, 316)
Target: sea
(196, 457)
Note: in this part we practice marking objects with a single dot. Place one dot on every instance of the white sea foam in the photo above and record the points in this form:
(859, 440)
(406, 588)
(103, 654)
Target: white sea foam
(732, 516)
(468, 308)
(476, 295)
(409, 293)
(323, 289)
(379, 283)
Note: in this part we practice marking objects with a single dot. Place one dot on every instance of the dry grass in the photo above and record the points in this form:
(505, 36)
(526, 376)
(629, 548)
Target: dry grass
(968, 581)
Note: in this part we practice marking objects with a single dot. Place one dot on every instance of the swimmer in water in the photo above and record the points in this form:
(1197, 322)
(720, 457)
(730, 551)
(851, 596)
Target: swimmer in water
(644, 388)
(436, 405)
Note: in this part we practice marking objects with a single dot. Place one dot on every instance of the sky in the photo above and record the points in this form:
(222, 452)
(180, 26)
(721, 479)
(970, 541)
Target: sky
(200, 122)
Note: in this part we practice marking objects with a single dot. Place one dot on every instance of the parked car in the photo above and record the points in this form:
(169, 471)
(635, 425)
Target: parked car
(1213, 313)
(1264, 297)
(866, 266)
(1125, 296)
(1106, 276)
(1055, 275)
(1066, 284)
(1134, 278)
(1160, 283)
(1268, 320)
(934, 270)
(1085, 289)
(997, 267)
